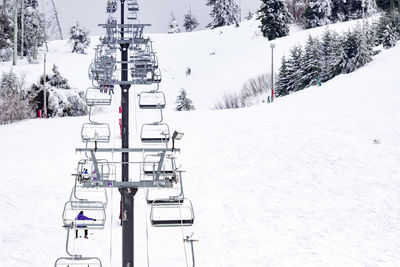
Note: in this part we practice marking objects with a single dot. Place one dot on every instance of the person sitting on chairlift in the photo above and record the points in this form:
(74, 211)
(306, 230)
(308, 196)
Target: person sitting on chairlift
(82, 218)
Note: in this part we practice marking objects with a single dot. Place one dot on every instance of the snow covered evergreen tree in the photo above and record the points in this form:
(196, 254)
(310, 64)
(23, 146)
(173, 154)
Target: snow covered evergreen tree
(344, 10)
(79, 38)
(6, 31)
(275, 18)
(387, 5)
(56, 80)
(389, 36)
(282, 83)
(183, 102)
(34, 28)
(294, 65)
(317, 13)
(62, 100)
(312, 62)
(329, 46)
(190, 22)
(223, 13)
(173, 26)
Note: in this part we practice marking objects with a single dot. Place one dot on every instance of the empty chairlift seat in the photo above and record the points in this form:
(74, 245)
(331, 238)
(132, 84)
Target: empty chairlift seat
(155, 133)
(94, 131)
(78, 261)
(81, 194)
(94, 97)
(151, 166)
(174, 215)
(91, 210)
(152, 100)
(165, 196)
(132, 5)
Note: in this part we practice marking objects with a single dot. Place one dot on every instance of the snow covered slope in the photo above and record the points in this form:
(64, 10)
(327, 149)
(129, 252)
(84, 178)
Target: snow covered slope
(310, 180)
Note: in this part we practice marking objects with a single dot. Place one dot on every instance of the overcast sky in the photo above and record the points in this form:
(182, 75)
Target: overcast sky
(156, 12)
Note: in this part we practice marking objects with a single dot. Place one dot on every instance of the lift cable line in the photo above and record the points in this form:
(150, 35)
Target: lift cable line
(153, 159)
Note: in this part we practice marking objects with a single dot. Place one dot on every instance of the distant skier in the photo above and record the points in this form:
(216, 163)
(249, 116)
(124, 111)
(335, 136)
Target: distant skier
(82, 217)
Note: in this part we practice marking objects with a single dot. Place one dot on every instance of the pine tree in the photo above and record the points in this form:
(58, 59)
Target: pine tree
(387, 5)
(275, 18)
(34, 28)
(389, 36)
(295, 63)
(56, 80)
(173, 25)
(312, 62)
(282, 83)
(223, 13)
(183, 102)
(329, 40)
(79, 38)
(364, 50)
(190, 22)
(317, 13)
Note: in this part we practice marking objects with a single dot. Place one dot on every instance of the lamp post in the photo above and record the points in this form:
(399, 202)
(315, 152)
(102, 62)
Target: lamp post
(272, 72)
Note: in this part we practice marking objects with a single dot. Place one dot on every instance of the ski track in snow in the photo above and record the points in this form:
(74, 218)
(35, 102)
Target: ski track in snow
(299, 182)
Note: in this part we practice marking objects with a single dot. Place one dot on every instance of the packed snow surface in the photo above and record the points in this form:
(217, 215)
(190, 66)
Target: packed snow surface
(310, 180)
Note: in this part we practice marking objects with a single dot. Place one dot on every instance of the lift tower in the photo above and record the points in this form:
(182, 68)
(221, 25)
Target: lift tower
(127, 194)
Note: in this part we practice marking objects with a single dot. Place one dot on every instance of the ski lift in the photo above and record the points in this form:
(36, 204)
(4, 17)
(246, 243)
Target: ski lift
(152, 100)
(155, 133)
(172, 215)
(133, 5)
(86, 170)
(91, 209)
(78, 261)
(157, 75)
(94, 97)
(132, 15)
(81, 195)
(96, 132)
(151, 166)
(166, 195)
(111, 6)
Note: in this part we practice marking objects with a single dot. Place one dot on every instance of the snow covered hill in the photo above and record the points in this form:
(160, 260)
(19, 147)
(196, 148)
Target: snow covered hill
(310, 180)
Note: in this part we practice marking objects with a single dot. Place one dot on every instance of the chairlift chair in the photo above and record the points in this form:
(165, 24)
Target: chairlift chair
(172, 215)
(152, 100)
(151, 165)
(111, 7)
(86, 170)
(91, 209)
(133, 5)
(96, 98)
(155, 133)
(157, 75)
(81, 195)
(167, 196)
(96, 132)
(78, 261)
(132, 15)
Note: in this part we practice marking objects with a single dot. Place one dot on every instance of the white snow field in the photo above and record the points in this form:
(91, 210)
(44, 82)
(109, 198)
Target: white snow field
(310, 180)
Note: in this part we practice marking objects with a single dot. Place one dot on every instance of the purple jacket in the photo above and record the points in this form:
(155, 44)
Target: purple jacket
(83, 217)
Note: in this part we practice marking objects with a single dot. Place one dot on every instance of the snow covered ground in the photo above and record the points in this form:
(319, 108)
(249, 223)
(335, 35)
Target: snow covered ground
(310, 180)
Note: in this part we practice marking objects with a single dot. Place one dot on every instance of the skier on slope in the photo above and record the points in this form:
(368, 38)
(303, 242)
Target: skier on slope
(82, 217)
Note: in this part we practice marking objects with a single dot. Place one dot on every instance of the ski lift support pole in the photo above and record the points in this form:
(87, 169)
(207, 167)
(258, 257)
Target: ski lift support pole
(127, 194)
